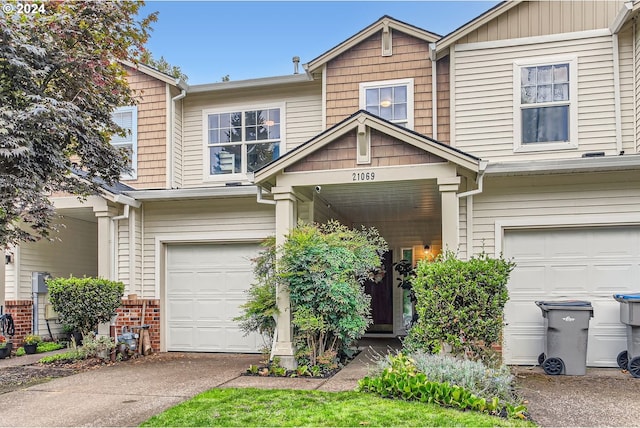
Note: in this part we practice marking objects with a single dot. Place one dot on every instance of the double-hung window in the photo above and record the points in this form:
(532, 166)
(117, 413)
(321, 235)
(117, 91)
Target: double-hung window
(545, 100)
(127, 119)
(240, 141)
(390, 99)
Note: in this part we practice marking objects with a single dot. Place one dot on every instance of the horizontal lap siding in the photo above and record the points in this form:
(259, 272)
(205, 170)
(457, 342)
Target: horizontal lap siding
(539, 18)
(637, 85)
(152, 128)
(484, 107)
(303, 120)
(539, 197)
(228, 217)
(365, 63)
(177, 142)
(627, 90)
(74, 251)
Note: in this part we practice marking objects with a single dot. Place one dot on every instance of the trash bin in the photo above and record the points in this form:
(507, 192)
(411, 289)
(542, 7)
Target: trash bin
(566, 335)
(630, 316)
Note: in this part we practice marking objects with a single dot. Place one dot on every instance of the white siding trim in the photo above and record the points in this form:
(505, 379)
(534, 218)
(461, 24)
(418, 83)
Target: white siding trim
(324, 97)
(571, 220)
(616, 92)
(560, 37)
(409, 83)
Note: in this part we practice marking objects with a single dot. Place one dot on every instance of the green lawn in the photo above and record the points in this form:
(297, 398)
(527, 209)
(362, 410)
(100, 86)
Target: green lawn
(261, 407)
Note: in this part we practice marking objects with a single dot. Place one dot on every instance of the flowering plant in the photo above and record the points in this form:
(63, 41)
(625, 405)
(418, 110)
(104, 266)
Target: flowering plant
(32, 339)
(3, 341)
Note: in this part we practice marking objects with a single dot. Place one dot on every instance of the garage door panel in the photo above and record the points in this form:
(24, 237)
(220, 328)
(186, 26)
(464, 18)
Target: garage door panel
(206, 286)
(579, 263)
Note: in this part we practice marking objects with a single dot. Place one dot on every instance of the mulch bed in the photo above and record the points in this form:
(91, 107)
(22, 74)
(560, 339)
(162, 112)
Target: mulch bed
(20, 377)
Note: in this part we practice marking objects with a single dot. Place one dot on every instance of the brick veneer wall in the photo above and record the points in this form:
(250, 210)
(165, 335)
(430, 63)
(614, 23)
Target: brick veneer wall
(130, 315)
(22, 313)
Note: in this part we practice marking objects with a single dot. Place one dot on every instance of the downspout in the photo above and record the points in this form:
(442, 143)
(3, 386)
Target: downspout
(260, 200)
(635, 91)
(434, 90)
(172, 136)
(469, 195)
(616, 93)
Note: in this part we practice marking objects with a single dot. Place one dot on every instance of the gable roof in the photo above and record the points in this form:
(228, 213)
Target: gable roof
(385, 22)
(408, 136)
(156, 74)
(475, 23)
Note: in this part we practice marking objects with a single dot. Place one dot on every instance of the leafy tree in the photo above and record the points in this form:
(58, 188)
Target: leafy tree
(324, 268)
(459, 303)
(60, 80)
(162, 65)
(85, 302)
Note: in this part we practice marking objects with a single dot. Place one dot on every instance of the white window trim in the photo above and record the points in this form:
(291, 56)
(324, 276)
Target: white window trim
(134, 141)
(572, 144)
(222, 178)
(409, 83)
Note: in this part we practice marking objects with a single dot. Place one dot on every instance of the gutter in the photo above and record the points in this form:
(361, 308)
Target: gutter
(479, 181)
(260, 200)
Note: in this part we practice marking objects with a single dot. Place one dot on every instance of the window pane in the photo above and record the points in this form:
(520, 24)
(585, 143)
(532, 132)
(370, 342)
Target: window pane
(214, 121)
(386, 113)
(545, 124)
(372, 98)
(561, 92)
(225, 120)
(545, 74)
(386, 94)
(250, 118)
(274, 132)
(274, 115)
(400, 112)
(528, 76)
(225, 160)
(528, 95)
(400, 94)
(374, 110)
(258, 155)
(251, 133)
(214, 136)
(561, 73)
(263, 133)
(544, 94)
(236, 134)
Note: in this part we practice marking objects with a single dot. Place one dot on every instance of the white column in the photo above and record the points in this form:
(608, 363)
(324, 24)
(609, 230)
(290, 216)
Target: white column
(105, 241)
(450, 212)
(285, 221)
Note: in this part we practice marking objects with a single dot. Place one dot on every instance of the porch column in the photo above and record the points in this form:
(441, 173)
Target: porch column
(285, 221)
(105, 241)
(450, 212)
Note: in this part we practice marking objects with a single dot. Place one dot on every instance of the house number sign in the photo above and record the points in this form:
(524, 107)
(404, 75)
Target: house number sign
(363, 176)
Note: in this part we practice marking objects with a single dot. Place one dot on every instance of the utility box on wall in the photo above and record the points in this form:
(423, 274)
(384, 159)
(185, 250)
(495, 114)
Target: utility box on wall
(38, 282)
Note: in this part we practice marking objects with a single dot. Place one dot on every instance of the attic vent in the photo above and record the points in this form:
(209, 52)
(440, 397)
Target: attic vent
(387, 46)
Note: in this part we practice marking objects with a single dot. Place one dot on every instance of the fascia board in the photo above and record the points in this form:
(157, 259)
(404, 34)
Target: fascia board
(194, 193)
(560, 166)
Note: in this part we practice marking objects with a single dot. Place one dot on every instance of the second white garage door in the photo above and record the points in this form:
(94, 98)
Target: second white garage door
(206, 284)
(578, 263)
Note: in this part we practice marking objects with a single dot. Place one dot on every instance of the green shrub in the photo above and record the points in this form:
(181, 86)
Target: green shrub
(20, 352)
(459, 303)
(48, 347)
(323, 268)
(85, 302)
(399, 376)
(260, 309)
(101, 347)
(72, 355)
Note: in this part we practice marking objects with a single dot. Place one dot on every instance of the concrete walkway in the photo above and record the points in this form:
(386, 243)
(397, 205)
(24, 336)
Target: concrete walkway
(129, 393)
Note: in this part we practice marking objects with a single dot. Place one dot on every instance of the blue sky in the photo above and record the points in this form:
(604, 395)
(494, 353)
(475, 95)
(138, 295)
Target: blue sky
(248, 39)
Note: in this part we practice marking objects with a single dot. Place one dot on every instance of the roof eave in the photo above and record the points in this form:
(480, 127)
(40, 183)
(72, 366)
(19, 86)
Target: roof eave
(194, 193)
(149, 71)
(565, 166)
(251, 83)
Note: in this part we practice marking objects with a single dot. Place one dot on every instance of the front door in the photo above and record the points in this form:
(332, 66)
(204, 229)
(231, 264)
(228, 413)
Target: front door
(382, 298)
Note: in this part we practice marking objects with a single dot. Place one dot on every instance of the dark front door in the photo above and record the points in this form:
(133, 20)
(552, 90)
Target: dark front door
(382, 299)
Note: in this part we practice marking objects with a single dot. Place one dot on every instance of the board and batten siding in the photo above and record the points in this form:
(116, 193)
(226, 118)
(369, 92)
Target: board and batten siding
(212, 220)
(540, 198)
(484, 98)
(302, 116)
(540, 18)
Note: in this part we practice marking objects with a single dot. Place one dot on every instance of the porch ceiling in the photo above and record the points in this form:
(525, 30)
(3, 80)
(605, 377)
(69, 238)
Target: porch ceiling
(85, 214)
(407, 213)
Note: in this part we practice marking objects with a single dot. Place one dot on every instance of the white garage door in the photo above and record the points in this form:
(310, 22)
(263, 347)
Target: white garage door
(578, 263)
(205, 286)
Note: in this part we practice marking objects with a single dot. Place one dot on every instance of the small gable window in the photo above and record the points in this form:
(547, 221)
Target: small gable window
(391, 100)
(545, 98)
(242, 141)
(127, 119)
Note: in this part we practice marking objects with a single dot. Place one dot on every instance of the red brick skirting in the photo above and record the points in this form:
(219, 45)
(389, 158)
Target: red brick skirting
(130, 315)
(22, 313)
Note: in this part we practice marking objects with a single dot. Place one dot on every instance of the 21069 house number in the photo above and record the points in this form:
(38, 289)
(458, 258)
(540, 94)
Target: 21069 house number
(363, 176)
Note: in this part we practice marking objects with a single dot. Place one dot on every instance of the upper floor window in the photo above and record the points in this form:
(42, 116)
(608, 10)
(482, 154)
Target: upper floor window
(242, 141)
(390, 99)
(545, 105)
(127, 119)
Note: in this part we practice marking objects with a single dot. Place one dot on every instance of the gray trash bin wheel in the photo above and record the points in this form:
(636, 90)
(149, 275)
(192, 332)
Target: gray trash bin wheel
(541, 358)
(634, 367)
(553, 366)
(623, 360)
